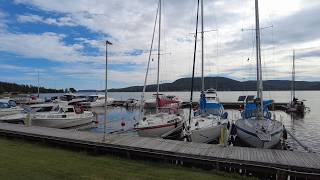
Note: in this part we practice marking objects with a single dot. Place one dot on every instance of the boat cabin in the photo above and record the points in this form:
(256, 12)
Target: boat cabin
(7, 103)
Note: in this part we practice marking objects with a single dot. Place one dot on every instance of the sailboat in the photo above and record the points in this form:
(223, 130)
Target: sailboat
(205, 126)
(168, 116)
(295, 105)
(256, 127)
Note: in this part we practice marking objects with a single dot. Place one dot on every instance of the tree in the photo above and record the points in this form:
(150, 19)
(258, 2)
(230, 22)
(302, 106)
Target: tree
(72, 90)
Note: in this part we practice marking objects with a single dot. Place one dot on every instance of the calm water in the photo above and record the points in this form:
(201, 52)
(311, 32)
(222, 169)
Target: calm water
(306, 128)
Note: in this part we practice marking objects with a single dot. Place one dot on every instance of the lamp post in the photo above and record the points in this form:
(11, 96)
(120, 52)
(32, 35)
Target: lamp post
(105, 93)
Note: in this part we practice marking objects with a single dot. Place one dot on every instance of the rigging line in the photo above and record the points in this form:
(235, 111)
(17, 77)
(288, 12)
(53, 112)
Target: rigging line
(194, 61)
(149, 59)
(159, 46)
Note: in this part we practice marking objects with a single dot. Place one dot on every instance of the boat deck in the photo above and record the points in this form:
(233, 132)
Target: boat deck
(258, 162)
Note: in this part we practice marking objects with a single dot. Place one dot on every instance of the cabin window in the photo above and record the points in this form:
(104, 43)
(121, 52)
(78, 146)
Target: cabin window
(70, 110)
(4, 105)
(12, 103)
(44, 109)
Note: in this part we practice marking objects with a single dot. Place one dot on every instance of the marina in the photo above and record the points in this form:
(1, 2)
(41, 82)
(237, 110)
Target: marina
(208, 93)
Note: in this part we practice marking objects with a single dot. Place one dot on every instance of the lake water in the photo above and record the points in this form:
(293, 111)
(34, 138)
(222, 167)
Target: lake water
(306, 128)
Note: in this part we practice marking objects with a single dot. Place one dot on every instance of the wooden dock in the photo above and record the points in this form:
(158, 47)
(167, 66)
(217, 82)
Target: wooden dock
(226, 105)
(263, 163)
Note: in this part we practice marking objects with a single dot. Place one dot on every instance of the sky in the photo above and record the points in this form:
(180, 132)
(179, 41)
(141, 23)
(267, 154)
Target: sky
(64, 41)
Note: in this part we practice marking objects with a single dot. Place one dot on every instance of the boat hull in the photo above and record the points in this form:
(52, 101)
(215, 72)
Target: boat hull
(251, 138)
(62, 123)
(9, 111)
(156, 131)
(206, 135)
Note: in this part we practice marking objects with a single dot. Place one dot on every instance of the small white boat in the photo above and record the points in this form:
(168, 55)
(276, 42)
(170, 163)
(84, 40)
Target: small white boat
(131, 103)
(155, 125)
(97, 101)
(63, 117)
(33, 109)
(27, 99)
(9, 107)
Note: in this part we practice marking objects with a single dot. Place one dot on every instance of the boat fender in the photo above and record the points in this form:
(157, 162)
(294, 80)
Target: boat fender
(228, 125)
(284, 134)
(123, 123)
(233, 130)
(225, 115)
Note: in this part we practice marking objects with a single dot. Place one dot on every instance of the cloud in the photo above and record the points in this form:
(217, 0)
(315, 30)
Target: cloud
(129, 24)
(62, 21)
(47, 45)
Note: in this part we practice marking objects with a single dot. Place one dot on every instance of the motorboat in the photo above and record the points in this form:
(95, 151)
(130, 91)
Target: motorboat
(70, 99)
(63, 116)
(26, 99)
(52, 115)
(131, 103)
(9, 107)
(97, 101)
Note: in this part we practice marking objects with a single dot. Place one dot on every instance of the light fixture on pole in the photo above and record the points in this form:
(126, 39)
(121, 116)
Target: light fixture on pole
(106, 93)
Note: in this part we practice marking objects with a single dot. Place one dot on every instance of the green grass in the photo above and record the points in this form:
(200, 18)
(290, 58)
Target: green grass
(28, 160)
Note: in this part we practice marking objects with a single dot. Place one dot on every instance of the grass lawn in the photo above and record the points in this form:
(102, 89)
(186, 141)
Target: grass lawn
(29, 160)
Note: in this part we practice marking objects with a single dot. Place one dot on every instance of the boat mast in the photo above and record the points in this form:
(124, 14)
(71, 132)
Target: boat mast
(158, 72)
(149, 59)
(293, 94)
(202, 49)
(258, 56)
(38, 85)
(106, 93)
(194, 61)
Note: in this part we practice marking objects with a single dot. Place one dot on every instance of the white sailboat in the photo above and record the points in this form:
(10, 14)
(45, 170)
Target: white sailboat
(168, 116)
(295, 105)
(256, 127)
(205, 126)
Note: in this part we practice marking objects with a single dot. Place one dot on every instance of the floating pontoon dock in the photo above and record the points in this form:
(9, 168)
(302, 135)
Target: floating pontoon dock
(263, 163)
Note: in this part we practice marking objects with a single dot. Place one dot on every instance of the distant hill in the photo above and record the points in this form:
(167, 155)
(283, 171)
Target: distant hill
(223, 84)
(12, 87)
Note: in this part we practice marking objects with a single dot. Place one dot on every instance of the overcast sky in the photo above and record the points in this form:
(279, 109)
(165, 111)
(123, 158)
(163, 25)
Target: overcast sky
(64, 40)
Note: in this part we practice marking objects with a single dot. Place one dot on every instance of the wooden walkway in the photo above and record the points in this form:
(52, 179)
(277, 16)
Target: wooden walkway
(260, 162)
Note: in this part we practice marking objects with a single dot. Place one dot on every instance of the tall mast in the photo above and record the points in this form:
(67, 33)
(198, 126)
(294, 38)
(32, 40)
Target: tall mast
(149, 59)
(258, 56)
(38, 85)
(293, 94)
(202, 50)
(194, 61)
(158, 72)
